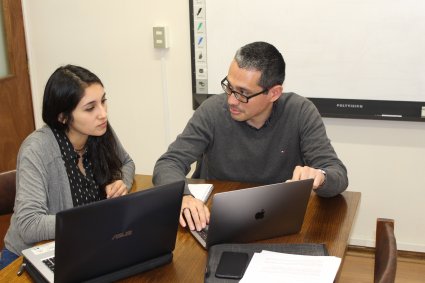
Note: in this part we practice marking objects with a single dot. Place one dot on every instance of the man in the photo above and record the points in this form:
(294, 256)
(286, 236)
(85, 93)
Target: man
(252, 133)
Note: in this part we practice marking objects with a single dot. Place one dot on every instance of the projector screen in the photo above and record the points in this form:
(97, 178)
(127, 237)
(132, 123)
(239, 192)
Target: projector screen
(352, 58)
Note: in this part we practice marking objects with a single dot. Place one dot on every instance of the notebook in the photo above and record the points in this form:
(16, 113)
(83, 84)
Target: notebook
(111, 239)
(201, 191)
(256, 213)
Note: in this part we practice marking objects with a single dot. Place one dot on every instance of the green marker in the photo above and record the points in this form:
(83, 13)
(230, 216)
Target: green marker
(199, 26)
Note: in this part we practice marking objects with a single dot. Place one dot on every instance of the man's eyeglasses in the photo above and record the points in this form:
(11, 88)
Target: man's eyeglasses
(228, 89)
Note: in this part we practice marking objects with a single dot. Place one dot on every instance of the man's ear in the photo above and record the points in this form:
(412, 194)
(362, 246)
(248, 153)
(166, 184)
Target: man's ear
(62, 118)
(275, 92)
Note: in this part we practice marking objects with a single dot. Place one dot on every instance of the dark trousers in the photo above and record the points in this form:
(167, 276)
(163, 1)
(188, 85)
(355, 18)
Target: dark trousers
(6, 258)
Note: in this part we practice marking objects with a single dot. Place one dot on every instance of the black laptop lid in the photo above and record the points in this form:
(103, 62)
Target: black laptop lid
(113, 234)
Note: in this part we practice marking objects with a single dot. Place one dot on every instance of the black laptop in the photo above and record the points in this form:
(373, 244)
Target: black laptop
(110, 239)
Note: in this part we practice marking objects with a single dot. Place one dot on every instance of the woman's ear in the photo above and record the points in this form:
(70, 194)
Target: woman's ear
(62, 118)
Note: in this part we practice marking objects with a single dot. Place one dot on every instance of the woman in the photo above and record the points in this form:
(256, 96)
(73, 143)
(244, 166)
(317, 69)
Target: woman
(74, 160)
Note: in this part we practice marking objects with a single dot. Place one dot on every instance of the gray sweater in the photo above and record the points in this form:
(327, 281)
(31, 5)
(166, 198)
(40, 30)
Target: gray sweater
(42, 189)
(234, 151)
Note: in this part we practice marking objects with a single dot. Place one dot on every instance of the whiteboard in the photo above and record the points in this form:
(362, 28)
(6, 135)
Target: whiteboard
(335, 50)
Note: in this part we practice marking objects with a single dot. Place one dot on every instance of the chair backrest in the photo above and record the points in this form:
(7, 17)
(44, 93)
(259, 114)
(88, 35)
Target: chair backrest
(7, 201)
(385, 251)
(7, 191)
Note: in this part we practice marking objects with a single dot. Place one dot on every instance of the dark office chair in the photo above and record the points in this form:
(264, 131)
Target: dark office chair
(385, 251)
(7, 201)
(198, 169)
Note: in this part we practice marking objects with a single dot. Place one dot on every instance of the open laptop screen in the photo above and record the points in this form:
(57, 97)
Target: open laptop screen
(117, 236)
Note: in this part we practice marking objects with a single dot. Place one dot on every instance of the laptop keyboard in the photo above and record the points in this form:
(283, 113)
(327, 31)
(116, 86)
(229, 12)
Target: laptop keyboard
(50, 262)
(203, 233)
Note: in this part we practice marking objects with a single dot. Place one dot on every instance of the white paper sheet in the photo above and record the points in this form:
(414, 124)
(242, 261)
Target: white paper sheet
(201, 191)
(272, 267)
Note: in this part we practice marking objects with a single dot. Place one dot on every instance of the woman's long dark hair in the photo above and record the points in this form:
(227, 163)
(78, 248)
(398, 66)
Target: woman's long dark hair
(63, 92)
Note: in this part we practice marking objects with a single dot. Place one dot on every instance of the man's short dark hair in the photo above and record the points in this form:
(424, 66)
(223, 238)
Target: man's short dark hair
(263, 57)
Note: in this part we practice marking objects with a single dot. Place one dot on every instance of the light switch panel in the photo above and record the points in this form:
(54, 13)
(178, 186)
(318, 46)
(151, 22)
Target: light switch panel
(160, 37)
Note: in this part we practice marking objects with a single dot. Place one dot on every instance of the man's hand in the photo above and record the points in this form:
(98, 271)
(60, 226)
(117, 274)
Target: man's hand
(116, 189)
(194, 213)
(305, 172)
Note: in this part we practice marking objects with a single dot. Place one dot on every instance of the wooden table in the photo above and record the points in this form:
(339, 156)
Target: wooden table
(327, 220)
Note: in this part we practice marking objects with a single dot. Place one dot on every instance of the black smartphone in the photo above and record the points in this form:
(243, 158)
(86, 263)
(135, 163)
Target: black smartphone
(232, 265)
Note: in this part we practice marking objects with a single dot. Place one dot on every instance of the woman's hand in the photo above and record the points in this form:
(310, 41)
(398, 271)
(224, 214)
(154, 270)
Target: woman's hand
(116, 189)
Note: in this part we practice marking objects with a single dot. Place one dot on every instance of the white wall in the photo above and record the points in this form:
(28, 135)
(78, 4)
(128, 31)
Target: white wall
(114, 40)
(385, 160)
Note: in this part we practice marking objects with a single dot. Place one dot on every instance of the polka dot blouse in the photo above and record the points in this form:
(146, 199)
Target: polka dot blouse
(84, 189)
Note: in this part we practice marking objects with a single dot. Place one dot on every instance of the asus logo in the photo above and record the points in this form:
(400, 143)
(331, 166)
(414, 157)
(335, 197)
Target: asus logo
(349, 105)
(122, 235)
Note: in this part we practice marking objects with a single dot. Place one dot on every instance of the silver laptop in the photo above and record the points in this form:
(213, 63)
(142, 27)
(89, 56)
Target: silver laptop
(256, 213)
(110, 239)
